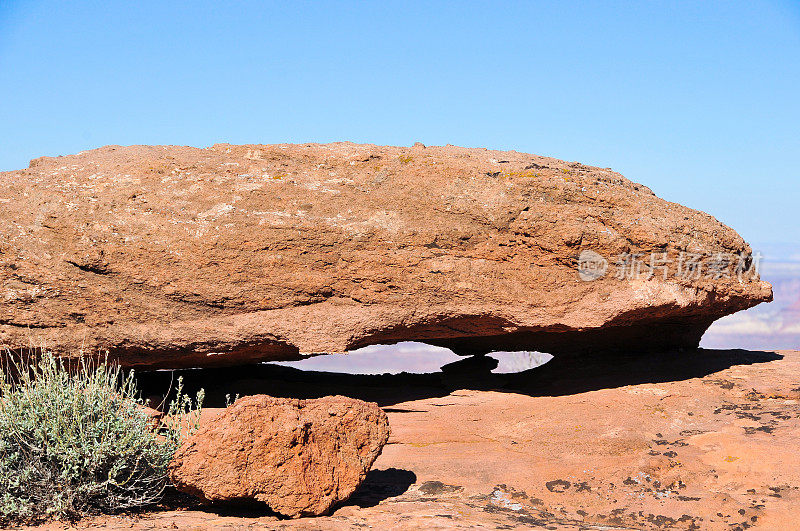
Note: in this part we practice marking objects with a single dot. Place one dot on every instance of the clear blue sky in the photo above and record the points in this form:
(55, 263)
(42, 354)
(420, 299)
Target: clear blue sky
(700, 100)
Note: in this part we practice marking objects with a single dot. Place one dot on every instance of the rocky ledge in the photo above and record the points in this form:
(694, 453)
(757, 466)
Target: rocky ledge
(175, 256)
(656, 442)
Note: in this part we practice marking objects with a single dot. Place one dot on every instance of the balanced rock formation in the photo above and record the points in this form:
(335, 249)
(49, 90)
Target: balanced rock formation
(177, 257)
(300, 457)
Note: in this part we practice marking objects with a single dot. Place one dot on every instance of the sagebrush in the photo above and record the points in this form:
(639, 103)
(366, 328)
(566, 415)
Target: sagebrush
(75, 440)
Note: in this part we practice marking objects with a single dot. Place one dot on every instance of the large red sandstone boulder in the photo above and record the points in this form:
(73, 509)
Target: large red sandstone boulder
(300, 457)
(175, 256)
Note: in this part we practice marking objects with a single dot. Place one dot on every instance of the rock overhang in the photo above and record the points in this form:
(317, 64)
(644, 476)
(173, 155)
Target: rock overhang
(173, 256)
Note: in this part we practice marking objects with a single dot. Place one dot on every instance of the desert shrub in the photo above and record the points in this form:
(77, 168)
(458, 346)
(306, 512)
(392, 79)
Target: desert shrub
(75, 440)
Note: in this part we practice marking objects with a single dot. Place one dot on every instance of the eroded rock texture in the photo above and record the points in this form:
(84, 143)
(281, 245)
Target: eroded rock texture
(176, 256)
(300, 457)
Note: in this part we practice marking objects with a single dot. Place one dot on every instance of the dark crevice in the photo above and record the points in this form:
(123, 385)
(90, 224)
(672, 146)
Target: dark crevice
(8, 322)
(97, 269)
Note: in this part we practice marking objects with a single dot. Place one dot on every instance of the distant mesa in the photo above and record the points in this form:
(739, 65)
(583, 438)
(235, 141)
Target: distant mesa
(173, 256)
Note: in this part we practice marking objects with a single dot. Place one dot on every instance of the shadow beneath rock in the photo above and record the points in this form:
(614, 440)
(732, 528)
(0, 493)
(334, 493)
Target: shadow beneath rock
(223, 384)
(563, 375)
(240, 509)
(175, 500)
(381, 485)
